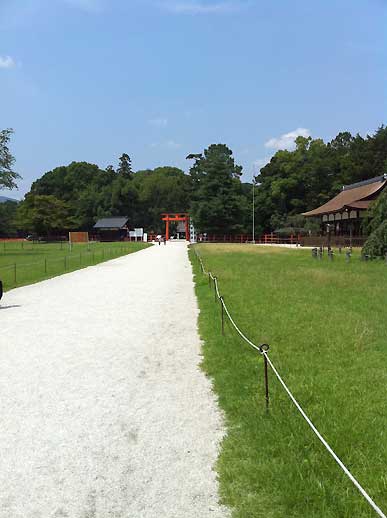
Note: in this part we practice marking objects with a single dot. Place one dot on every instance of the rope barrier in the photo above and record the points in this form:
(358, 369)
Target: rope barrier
(324, 442)
(263, 350)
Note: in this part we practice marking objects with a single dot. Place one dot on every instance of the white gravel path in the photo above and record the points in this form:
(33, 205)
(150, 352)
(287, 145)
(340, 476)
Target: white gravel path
(104, 411)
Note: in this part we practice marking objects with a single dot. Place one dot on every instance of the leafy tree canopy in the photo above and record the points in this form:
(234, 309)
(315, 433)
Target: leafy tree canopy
(218, 203)
(376, 244)
(8, 176)
(7, 218)
(125, 166)
(44, 214)
(291, 183)
(300, 180)
(92, 193)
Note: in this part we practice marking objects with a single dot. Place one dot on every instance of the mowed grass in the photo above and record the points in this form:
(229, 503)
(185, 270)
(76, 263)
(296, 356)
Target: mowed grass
(25, 262)
(327, 329)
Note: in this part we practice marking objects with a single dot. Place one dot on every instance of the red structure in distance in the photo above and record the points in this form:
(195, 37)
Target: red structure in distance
(176, 216)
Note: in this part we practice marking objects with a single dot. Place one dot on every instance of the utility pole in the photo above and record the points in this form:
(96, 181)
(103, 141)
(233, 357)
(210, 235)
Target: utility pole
(253, 209)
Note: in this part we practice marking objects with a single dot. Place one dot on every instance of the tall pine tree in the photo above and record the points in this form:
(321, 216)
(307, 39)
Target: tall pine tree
(218, 203)
(125, 166)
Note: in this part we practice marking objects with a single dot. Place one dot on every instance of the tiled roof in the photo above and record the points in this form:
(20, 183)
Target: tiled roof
(355, 196)
(108, 223)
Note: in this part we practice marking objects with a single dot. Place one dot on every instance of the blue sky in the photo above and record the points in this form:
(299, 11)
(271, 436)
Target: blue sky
(158, 79)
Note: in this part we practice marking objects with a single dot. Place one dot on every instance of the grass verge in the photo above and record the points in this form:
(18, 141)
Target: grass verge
(326, 324)
(24, 263)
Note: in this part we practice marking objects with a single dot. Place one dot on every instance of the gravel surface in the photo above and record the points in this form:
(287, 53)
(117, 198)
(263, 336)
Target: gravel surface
(104, 411)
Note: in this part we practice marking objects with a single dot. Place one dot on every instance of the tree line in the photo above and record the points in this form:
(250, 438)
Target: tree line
(301, 180)
(76, 195)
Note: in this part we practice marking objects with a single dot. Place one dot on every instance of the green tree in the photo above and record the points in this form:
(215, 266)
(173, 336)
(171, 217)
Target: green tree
(123, 198)
(164, 189)
(125, 166)
(218, 204)
(377, 214)
(376, 244)
(84, 186)
(7, 218)
(375, 224)
(8, 176)
(44, 214)
(300, 180)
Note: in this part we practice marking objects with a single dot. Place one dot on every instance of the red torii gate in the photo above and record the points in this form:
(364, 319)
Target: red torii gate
(176, 216)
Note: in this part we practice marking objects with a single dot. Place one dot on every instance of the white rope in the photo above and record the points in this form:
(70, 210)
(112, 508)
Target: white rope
(237, 328)
(295, 402)
(324, 442)
(217, 288)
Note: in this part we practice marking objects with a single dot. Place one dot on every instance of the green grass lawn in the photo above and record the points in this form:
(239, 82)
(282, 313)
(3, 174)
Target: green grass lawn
(25, 262)
(327, 329)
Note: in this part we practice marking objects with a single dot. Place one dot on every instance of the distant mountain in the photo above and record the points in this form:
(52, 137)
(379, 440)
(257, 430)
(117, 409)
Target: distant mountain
(3, 199)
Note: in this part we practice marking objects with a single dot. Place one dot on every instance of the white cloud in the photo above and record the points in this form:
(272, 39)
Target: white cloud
(159, 123)
(169, 144)
(286, 141)
(7, 62)
(261, 162)
(196, 7)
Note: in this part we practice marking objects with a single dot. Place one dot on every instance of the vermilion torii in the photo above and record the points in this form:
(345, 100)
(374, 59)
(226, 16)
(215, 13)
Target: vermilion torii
(176, 216)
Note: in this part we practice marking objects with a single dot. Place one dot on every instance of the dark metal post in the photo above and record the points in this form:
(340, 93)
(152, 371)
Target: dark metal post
(264, 348)
(209, 280)
(350, 233)
(14, 273)
(266, 383)
(45, 265)
(329, 236)
(222, 309)
(215, 288)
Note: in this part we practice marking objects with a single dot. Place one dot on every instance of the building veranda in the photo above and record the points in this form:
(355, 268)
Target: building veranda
(342, 216)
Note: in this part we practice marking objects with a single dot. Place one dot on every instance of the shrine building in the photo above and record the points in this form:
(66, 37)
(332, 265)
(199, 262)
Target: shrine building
(344, 212)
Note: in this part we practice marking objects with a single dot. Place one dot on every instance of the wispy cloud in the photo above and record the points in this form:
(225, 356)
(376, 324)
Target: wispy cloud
(287, 140)
(168, 144)
(261, 162)
(7, 62)
(160, 122)
(197, 7)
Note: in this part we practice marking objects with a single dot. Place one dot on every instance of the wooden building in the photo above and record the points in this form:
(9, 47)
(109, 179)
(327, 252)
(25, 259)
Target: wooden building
(112, 229)
(344, 212)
